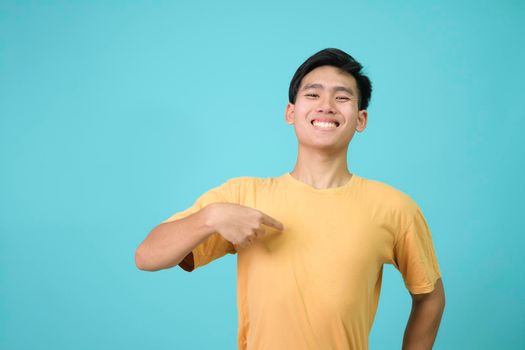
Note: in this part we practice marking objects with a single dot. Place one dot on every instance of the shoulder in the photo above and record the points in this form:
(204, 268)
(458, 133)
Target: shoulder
(241, 187)
(246, 181)
(250, 181)
(384, 194)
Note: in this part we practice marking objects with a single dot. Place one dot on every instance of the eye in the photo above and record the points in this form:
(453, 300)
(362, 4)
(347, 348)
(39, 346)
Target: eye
(343, 97)
(312, 95)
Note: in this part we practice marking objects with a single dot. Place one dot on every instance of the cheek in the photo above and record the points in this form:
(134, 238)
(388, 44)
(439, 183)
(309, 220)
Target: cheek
(350, 113)
(302, 113)
(348, 108)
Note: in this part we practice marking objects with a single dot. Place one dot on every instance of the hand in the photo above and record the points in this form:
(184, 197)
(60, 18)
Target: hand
(239, 224)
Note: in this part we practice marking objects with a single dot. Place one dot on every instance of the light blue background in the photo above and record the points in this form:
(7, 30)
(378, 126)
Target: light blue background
(115, 115)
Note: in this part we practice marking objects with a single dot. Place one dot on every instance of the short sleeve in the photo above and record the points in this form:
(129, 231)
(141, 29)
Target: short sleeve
(213, 247)
(414, 255)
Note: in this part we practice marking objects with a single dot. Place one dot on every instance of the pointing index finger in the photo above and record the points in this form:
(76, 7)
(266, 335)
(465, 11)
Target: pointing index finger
(268, 220)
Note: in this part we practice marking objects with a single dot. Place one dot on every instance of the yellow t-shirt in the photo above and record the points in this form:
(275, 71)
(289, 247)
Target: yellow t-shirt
(316, 284)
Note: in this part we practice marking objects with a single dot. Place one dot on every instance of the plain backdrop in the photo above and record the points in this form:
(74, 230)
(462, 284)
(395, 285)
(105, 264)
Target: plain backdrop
(116, 114)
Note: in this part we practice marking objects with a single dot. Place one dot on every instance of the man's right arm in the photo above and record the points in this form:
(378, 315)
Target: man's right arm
(171, 243)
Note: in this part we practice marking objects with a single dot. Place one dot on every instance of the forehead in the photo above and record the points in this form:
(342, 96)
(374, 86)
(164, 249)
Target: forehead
(329, 76)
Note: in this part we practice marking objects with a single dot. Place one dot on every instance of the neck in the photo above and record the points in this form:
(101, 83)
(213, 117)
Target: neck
(321, 169)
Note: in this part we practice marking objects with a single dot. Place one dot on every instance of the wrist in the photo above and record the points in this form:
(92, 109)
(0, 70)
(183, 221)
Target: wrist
(207, 221)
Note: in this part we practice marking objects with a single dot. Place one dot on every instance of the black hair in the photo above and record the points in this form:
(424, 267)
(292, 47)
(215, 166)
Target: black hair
(343, 61)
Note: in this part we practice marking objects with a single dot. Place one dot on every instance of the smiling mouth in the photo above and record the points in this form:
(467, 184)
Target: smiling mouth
(325, 125)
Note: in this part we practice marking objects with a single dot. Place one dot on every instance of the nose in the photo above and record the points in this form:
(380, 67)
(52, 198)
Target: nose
(326, 106)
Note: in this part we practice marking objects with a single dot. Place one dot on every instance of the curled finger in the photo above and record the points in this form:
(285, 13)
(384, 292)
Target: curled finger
(259, 232)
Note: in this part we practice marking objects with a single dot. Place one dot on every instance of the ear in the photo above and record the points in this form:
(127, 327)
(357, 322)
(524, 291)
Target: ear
(289, 113)
(362, 119)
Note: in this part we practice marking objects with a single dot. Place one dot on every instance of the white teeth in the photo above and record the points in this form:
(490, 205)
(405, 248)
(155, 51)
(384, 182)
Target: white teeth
(326, 125)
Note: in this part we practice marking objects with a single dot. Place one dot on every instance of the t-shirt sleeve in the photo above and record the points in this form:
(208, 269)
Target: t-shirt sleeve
(213, 247)
(415, 256)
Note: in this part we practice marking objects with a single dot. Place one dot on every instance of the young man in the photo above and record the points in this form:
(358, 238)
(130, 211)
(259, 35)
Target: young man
(311, 243)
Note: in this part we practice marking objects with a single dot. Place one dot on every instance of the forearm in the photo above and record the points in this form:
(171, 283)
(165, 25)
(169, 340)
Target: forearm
(168, 243)
(423, 324)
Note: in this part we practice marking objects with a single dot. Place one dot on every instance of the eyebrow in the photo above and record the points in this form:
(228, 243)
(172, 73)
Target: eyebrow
(335, 88)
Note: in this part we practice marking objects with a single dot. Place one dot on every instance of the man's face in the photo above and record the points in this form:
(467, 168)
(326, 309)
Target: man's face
(325, 114)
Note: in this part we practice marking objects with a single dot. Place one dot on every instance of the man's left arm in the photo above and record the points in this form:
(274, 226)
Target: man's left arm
(424, 320)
